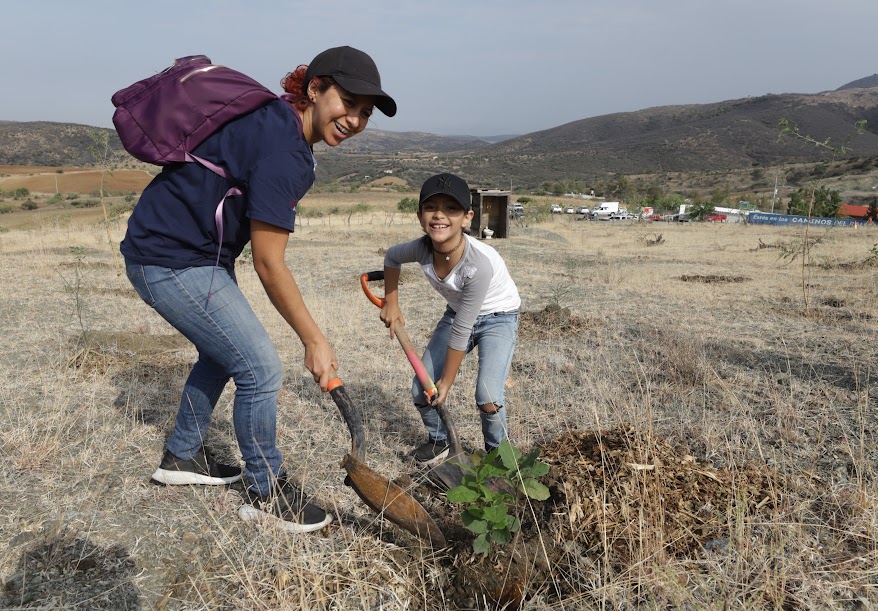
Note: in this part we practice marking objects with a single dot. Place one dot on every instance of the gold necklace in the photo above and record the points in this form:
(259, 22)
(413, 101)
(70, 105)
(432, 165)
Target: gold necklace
(448, 254)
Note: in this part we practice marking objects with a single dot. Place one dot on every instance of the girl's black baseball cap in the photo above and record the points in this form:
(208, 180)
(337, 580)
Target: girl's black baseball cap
(447, 184)
(354, 71)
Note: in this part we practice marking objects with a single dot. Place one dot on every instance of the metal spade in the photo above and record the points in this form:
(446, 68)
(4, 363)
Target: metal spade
(379, 493)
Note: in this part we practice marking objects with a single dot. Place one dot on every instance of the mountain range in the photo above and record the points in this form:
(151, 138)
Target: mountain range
(720, 136)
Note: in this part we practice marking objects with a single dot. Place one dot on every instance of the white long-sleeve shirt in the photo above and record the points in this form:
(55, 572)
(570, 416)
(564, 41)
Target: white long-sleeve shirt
(479, 283)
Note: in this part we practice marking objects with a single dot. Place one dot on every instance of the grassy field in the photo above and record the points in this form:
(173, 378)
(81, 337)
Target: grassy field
(706, 400)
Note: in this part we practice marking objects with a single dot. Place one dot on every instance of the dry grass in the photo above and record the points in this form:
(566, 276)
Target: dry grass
(738, 378)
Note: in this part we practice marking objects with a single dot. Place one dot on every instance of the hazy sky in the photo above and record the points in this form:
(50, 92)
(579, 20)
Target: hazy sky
(454, 66)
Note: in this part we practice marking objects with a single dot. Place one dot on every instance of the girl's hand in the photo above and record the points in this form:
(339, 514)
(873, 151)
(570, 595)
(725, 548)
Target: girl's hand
(321, 361)
(442, 388)
(390, 315)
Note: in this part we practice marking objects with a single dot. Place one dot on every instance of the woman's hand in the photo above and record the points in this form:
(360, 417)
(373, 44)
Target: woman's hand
(321, 361)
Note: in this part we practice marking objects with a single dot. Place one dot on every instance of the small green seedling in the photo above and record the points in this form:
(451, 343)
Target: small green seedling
(488, 488)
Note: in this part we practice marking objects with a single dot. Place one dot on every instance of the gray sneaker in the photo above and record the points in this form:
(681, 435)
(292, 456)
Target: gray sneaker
(201, 469)
(286, 508)
(432, 453)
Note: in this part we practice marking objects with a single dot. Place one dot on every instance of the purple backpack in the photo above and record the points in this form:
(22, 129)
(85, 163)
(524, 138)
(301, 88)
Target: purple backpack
(164, 117)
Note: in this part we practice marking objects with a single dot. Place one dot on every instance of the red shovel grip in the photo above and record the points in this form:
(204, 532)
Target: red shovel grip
(365, 279)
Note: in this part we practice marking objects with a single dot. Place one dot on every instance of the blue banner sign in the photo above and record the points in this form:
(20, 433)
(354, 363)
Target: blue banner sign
(766, 218)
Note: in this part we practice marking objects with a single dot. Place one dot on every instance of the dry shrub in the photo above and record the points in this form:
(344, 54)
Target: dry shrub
(625, 494)
(674, 355)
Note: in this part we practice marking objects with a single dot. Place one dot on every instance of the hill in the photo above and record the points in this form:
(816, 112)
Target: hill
(863, 83)
(380, 141)
(721, 136)
(44, 143)
(705, 137)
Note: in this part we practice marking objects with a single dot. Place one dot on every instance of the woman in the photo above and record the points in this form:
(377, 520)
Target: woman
(171, 248)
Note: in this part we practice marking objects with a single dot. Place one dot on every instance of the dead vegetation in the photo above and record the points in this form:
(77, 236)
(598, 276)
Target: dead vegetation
(654, 240)
(712, 278)
(709, 445)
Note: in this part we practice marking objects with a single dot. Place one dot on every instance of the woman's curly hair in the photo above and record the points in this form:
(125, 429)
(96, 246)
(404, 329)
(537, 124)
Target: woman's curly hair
(294, 84)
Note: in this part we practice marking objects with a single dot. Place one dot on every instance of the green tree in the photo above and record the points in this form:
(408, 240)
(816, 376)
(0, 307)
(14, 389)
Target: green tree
(620, 187)
(719, 196)
(653, 195)
(407, 204)
(820, 202)
(872, 213)
(699, 210)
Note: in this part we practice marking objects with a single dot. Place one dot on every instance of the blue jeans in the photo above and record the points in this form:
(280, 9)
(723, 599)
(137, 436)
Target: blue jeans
(231, 343)
(495, 335)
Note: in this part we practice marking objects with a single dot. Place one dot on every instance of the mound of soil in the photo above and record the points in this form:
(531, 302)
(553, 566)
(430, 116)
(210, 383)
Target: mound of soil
(616, 496)
(551, 321)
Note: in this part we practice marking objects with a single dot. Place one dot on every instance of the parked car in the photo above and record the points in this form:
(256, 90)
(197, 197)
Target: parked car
(556, 209)
(715, 217)
(583, 210)
(516, 211)
(570, 210)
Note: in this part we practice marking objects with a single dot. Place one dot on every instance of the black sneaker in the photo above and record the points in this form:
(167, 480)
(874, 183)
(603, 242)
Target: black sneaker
(288, 509)
(432, 453)
(201, 469)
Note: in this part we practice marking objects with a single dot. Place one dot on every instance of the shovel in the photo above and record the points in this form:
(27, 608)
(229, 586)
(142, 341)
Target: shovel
(380, 494)
(449, 474)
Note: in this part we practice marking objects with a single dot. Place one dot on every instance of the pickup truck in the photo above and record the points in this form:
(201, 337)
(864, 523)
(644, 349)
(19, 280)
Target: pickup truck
(556, 209)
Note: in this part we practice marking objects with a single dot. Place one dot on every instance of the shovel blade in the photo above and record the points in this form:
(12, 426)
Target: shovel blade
(389, 500)
(449, 474)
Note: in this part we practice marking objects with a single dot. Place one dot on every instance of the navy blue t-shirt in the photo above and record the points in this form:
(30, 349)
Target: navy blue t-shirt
(173, 223)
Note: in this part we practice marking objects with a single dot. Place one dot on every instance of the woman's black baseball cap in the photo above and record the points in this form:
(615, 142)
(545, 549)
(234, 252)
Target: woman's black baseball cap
(354, 71)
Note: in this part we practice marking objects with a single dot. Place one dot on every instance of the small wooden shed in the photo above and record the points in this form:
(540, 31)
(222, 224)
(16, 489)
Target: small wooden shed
(491, 211)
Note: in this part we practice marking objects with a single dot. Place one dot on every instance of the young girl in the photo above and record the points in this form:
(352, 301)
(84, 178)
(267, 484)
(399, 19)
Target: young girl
(170, 249)
(482, 310)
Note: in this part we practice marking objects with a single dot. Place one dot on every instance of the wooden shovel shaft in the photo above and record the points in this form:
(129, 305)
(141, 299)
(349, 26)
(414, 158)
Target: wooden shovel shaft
(351, 416)
(424, 378)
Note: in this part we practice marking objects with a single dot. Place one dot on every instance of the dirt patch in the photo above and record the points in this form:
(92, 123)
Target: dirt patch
(103, 350)
(111, 292)
(85, 265)
(67, 571)
(78, 181)
(551, 321)
(712, 278)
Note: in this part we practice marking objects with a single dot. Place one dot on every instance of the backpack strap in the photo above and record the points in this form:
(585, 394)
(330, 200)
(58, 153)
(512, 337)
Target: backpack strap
(221, 171)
